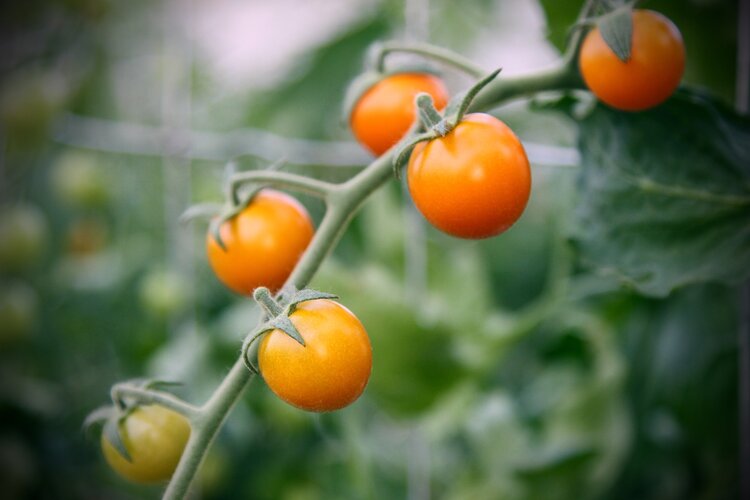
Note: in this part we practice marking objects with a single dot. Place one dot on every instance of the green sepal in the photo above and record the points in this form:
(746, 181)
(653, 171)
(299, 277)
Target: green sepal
(157, 384)
(616, 28)
(305, 295)
(112, 434)
(200, 210)
(98, 417)
(283, 323)
(403, 154)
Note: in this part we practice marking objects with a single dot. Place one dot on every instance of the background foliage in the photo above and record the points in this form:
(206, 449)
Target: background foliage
(589, 352)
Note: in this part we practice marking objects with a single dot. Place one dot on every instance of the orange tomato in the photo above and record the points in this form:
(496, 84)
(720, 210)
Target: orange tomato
(155, 438)
(331, 370)
(384, 114)
(263, 243)
(474, 182)
(650, 76)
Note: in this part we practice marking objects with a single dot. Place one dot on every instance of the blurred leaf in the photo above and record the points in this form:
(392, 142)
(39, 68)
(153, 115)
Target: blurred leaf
(659, 219)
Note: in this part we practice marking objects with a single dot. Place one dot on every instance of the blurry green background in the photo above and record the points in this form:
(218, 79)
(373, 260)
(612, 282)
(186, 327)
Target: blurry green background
(502, 368)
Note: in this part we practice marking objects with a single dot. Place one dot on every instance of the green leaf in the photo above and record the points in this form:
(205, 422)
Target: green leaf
(616, 28)
(112, 434)
(665, 194)
(284, 324)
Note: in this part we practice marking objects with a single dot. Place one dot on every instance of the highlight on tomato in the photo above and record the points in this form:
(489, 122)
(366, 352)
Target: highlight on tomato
(474, 182)
(263, 243)
(651, 74)
(386, 111)
(154, 437)
(331, 370)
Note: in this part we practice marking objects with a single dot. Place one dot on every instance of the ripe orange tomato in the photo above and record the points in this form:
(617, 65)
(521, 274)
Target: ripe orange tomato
(263, 243)
(331, 370)
(384, 114)
(652, 73)
(474, 182)
(155, 438)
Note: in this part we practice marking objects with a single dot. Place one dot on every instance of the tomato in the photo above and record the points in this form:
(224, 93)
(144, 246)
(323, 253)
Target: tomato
(652, 73)
(155, 438)
(19, 308)
(384, 114)
(23, 234)
(78, 180)
(474, 182)
(331, 370)
(164, 293)
(86, 235)
(263, 243)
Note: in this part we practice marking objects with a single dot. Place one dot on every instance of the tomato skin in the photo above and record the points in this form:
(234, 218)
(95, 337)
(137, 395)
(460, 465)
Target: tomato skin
(651, 75)
(474, 182)
(331, 370)
(264, 243)
(384, 114)
(155, 438)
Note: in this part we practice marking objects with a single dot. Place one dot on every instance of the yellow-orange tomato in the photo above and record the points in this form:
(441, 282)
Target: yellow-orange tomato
(384, 114)
(155, 438)
(474, 182)
(331, 370)
(263, 243)
(649, 77)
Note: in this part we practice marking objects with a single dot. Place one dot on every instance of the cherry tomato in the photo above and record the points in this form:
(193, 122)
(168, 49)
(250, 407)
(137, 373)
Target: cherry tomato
(474, 182)
(264, 243)
(155, 438)
(19, 309)
(384, 114)
(23, 237)
(78, 180)
(331, 370)
(652, 73)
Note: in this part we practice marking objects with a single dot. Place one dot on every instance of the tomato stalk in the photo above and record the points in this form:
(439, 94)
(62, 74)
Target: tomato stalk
(150, 396)
(381, 51)
(343, 201)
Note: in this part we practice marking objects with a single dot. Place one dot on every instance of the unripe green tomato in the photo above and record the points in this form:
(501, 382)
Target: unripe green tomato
(155, 438)
(23, 235)
(164, 293)
(78, 181)
(18, 312)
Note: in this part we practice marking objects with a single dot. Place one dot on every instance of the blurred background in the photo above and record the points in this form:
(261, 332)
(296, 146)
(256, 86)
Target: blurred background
(502, 368)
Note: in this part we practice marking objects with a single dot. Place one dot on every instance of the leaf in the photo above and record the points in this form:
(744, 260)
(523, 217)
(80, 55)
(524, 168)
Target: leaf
(284, 324)
(616, 29)
(112, 434)
(665, 194)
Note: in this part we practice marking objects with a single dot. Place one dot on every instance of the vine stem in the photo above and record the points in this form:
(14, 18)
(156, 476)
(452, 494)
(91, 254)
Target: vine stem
(343, 201)
(430, 51)
(149, 396)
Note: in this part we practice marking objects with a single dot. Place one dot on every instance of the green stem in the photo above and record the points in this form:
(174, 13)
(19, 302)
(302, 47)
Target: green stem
(147, 396)
(263, 297)
(427, 50)
(273, 178)
(343, 202)
(205, 427)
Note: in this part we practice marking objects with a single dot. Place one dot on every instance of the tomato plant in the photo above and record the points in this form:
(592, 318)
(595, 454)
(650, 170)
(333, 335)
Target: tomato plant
(648, 77)
(263, 243)
(474, 182)
(154, 437)
(331, 370)
(383, 115)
